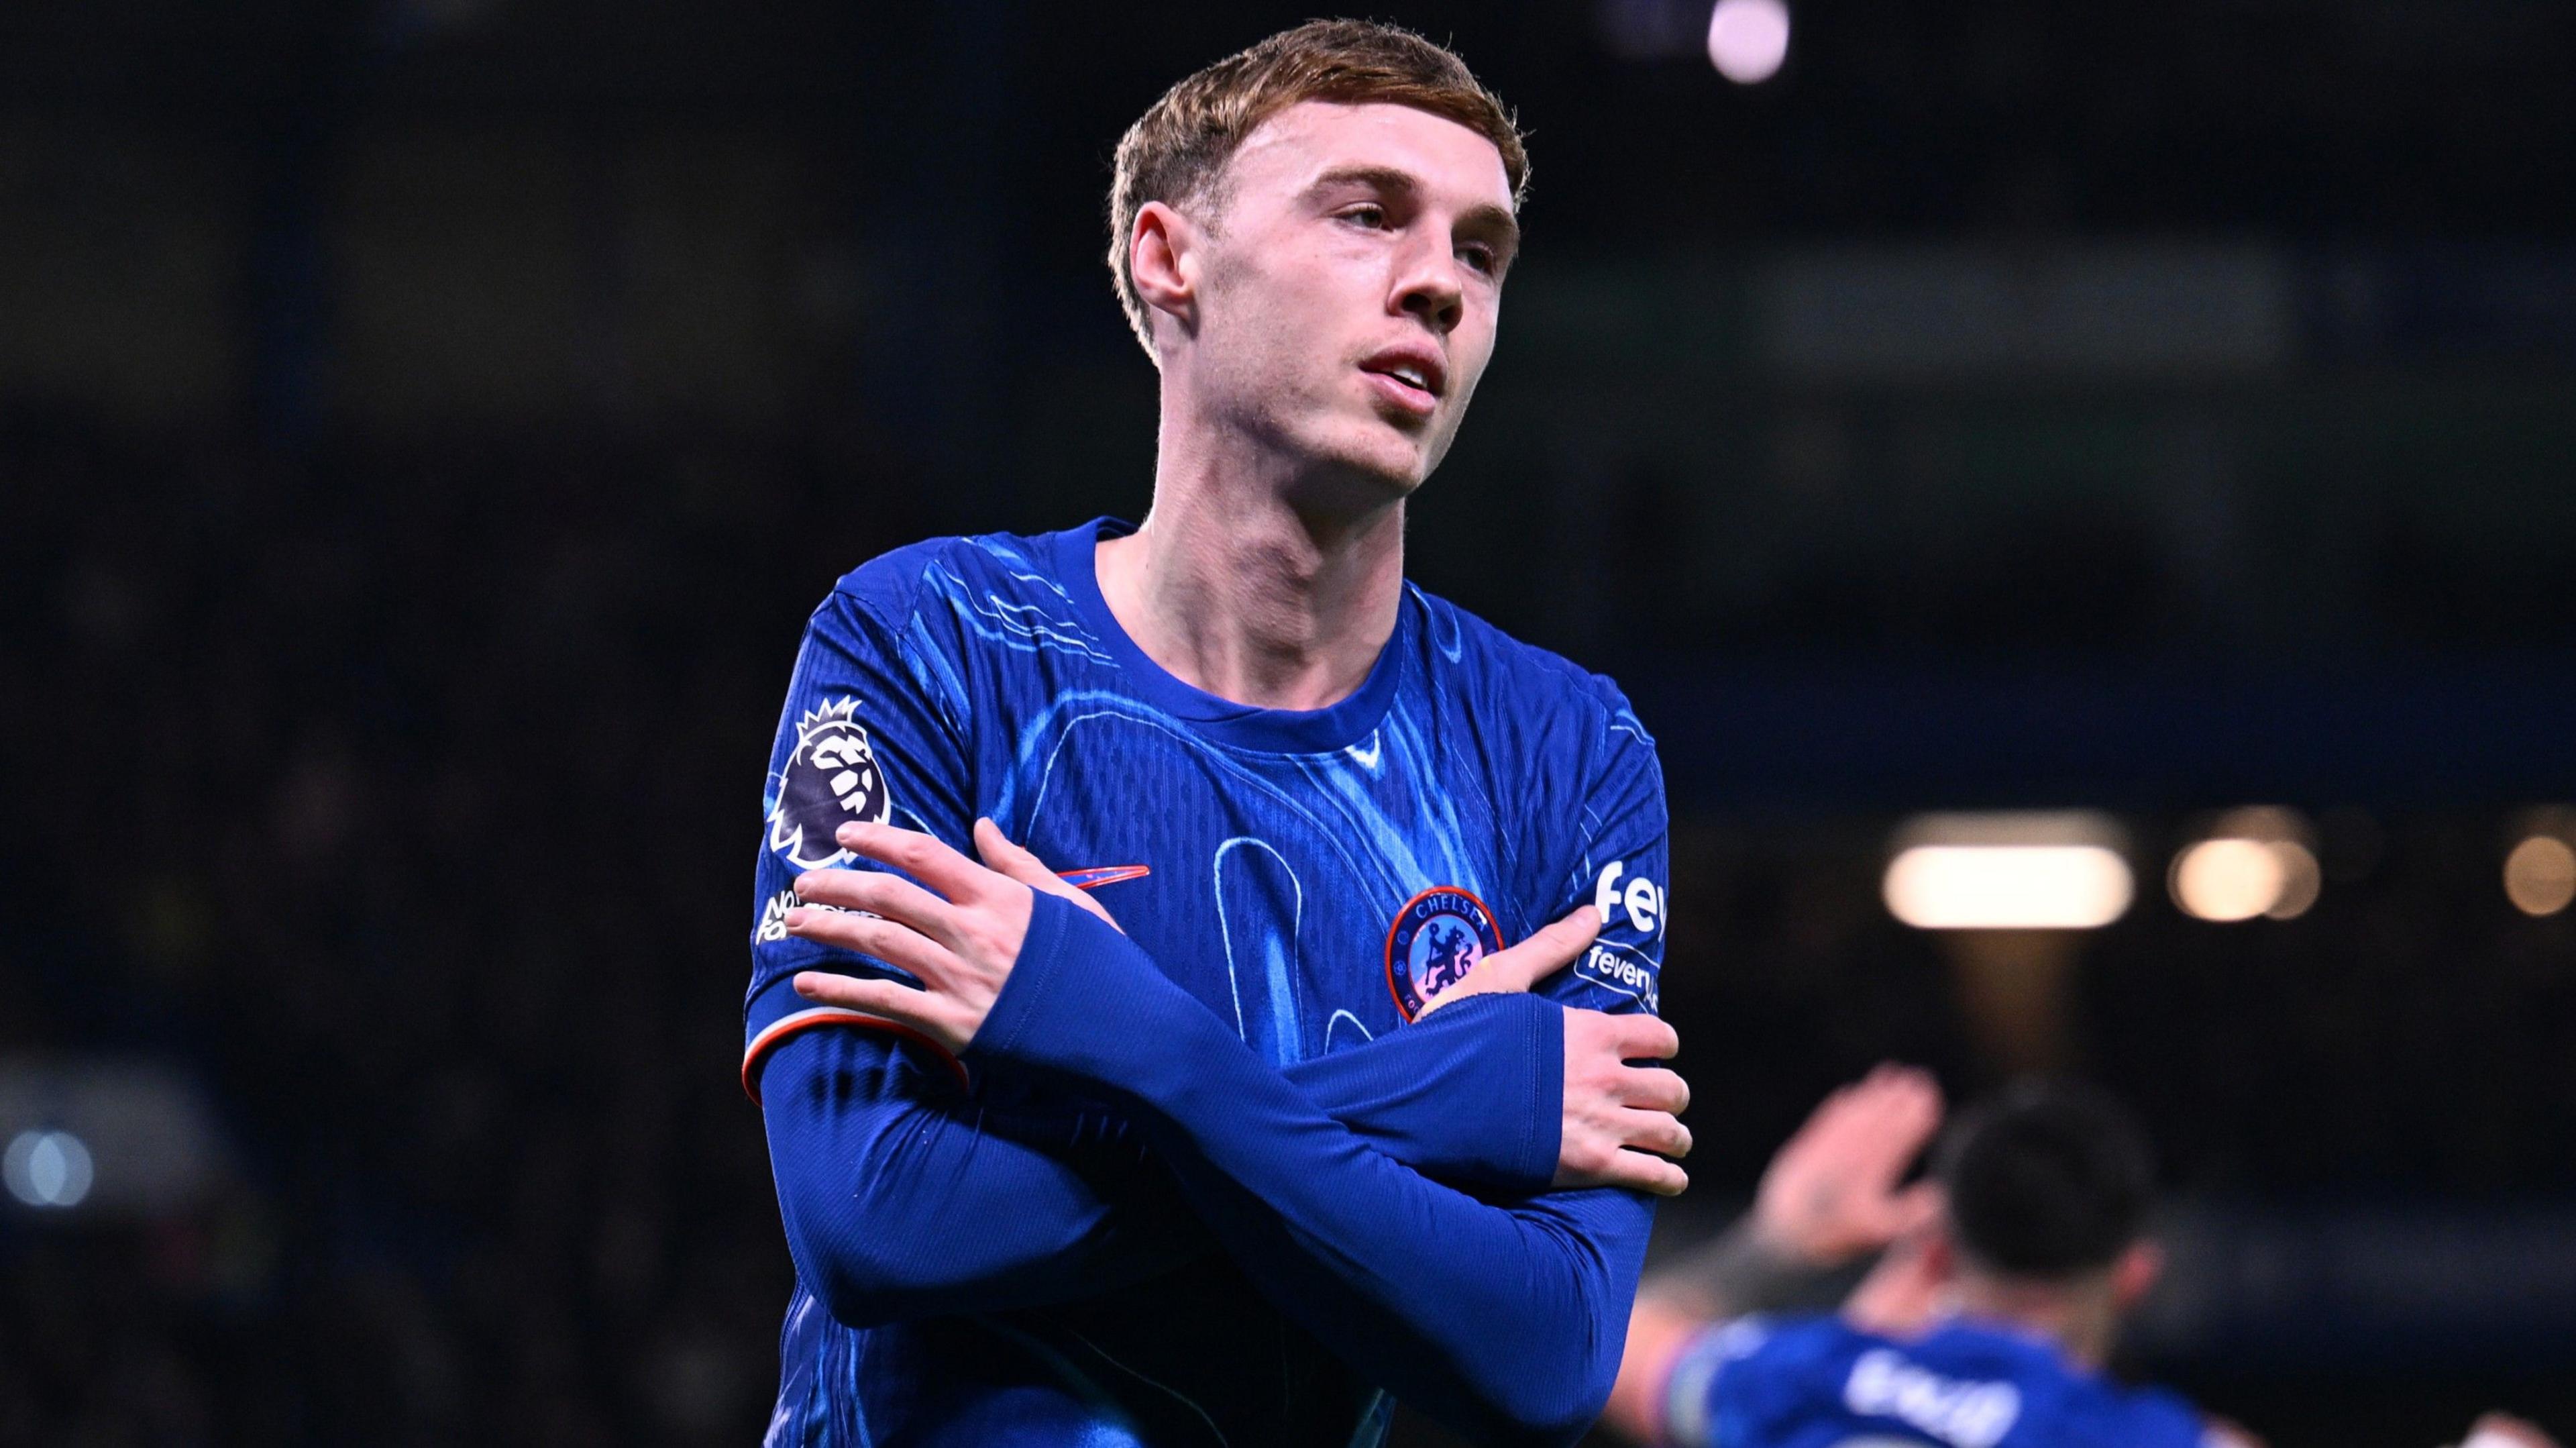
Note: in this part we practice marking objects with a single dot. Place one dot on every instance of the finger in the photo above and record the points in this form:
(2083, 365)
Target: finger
(879, 893)
(1654, 1088)
(887, 999)
(872, 994)
(1022, 864)
(1646, 1038)
(896, 944)
(1550, 948)
(1547, 951)
(1656, 1132)
(1641, 1171)
(926, 858)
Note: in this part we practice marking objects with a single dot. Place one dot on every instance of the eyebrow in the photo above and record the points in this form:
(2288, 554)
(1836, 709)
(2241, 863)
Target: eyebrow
(1499, 226)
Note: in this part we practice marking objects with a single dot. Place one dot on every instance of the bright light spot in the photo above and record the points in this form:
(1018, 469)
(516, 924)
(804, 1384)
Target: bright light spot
(2228, 879)
(2300, 880)
(2008, 887)
(47, 1169)
(1748, 39)
(2540, 875)
(2256, 861)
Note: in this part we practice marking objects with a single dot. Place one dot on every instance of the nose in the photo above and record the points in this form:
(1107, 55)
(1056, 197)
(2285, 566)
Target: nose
(1428, 289)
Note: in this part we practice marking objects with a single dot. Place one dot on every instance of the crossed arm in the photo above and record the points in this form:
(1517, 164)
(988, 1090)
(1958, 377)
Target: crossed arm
(881, 1158)
(1404, 1274)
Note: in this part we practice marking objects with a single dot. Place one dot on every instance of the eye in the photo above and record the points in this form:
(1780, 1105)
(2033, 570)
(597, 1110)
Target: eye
(1369, 215)
(1480, 257)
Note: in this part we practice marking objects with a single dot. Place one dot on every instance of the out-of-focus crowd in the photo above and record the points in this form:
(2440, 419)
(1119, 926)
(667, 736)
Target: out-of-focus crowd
(406, 795)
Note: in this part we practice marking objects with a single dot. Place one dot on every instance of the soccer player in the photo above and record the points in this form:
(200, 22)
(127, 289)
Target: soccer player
(1987, 1320)
(1270, 1127)
(1984, 1326)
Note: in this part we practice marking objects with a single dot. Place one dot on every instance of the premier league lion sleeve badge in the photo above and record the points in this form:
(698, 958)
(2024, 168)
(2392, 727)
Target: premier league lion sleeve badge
(830, 779)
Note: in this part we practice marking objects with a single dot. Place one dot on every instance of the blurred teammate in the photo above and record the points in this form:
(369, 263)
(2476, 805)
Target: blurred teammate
(1987, 1321)
(2004, 1282)
(1221, 1178)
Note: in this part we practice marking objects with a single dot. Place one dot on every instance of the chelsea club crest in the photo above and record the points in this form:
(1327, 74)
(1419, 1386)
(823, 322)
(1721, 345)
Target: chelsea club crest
(1437, 937)
(829, 780)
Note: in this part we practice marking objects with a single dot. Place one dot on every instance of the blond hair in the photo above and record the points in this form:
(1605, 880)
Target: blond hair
(1176, 152)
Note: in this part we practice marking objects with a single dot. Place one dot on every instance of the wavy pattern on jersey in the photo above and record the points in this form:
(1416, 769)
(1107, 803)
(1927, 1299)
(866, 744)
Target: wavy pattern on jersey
(1279, 852)
(1408, 825)
(1257, 893)
(1427, 845)
(1014, 624)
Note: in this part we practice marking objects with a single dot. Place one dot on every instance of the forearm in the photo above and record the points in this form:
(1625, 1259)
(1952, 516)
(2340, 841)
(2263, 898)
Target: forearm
(1405, 1277)
(1468, 1095)
(1740, 1271)
(879, 1157)
(902, 1198)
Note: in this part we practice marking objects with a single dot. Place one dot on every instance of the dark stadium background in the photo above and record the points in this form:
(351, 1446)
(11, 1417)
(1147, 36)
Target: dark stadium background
(425, 423)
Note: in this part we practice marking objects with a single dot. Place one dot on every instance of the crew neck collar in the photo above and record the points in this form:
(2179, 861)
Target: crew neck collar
(1241, 726)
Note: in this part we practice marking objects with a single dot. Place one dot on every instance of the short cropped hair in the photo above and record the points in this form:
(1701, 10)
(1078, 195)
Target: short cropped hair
(2048, 1180)
(1177, 151)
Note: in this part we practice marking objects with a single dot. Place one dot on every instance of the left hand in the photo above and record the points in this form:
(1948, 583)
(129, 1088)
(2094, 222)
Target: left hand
(960, 942)
(1831, 1193)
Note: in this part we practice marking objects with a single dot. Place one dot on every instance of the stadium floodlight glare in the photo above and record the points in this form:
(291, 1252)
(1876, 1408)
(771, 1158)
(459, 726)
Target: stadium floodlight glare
(2540, 875)
(47, 1168)
(2023, 871)
(1748, 40)
(2226, 880)
(2254, 861)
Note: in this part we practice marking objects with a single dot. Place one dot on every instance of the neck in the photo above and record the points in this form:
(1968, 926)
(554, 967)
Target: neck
(1259, 580)
(2078, 1319)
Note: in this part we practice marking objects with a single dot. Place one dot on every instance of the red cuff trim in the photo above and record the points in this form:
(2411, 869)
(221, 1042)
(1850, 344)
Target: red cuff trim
(1093, 879)
(788, 1025)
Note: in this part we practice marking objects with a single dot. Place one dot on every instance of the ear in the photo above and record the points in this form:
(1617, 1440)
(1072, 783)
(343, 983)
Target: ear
(1903, 1292)
(2135, 1274)
(1163, 257)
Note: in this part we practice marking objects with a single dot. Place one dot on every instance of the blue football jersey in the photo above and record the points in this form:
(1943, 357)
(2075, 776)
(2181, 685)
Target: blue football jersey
(1309, 876)
(1819, 1382)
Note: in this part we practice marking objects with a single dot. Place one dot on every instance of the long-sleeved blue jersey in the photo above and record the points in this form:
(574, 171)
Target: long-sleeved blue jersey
(1205, 1182)
(1819, 1382)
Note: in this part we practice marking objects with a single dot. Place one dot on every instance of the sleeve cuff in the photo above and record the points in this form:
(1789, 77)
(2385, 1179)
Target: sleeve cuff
(778, 1013)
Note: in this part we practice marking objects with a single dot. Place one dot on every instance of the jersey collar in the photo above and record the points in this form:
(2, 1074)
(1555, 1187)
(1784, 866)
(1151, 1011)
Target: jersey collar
(1240, 726)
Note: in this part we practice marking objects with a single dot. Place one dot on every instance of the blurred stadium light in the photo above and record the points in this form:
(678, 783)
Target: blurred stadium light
(2254, 861)
(2018, 871)
(1748, 40)
(117, 1136)
(47, 1169)
(2540, 872)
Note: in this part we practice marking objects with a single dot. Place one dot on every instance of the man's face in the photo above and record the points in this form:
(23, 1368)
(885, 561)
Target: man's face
(1350, 283)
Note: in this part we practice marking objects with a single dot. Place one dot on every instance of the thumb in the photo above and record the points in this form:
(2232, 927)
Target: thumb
(1553, 947)
(1018, 863)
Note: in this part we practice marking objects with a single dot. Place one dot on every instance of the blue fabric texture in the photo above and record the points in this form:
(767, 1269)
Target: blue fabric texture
(1819, 1382)
(1208, 1181)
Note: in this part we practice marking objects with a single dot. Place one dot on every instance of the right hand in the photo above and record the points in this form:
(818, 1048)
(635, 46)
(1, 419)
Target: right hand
(1620, 1123)
(1831, 1193)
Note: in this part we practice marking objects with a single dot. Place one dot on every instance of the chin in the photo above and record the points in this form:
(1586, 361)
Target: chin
(1380, 458)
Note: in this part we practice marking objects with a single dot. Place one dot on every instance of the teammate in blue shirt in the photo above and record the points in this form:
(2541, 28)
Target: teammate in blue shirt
(1984, 1326)
(2004, 1279)
(1307, 1081)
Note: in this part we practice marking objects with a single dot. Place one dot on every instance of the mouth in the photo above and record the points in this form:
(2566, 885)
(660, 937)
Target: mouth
(1411, 380)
